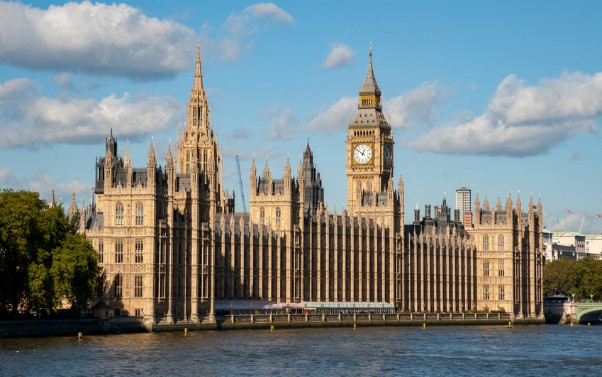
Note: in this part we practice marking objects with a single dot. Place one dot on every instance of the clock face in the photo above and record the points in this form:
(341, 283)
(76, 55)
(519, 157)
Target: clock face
(362, 154)
(387, 154)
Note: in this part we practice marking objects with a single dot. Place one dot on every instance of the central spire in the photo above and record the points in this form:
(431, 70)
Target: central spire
(198, 74)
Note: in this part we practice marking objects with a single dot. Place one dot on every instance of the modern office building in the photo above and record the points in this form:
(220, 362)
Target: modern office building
(463, 203)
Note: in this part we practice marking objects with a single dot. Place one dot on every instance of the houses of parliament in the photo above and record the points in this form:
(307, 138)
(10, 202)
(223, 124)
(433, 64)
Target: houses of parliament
(173, 248)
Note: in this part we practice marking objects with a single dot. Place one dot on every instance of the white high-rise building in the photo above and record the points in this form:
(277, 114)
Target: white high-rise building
(464, 205)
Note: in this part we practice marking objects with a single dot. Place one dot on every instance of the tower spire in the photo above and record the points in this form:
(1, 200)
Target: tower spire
(370, 86)
(198, 73)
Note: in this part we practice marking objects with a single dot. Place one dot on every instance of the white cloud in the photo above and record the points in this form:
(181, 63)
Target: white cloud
(417, 104)
(32, 120)
(524, 120)
(234, 37)
(283, 121)
(340, 55)
(246, 22)
(571, 97)
(334, 118)
(96, 38)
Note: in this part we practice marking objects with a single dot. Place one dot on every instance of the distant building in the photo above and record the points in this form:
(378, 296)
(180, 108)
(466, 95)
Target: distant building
(463, 204)
(551, 253)
(572, 245)
(593, 245)
(570, 242)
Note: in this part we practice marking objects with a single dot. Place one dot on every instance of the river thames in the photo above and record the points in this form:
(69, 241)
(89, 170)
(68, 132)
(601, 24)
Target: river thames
(543, 350)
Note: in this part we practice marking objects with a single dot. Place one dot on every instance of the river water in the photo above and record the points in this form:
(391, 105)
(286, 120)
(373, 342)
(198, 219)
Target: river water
(544, 350)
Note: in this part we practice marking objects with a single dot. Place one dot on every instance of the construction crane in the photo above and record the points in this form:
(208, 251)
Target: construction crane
(242, 191)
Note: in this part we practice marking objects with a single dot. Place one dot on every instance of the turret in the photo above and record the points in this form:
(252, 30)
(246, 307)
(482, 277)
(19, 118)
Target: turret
(287, 175)
(477, 210)
(253, 178)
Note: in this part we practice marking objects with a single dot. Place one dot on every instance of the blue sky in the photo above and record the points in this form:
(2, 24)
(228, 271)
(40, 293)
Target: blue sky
(501, 97)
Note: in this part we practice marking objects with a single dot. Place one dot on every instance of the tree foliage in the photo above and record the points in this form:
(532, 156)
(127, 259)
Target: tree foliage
(581, 279)
(35, 242)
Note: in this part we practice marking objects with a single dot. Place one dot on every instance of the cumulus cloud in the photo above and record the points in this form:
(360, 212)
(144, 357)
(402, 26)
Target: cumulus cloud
(32, 120)
(283, 121)
(417, 105)
(95, 38)
(334, 118)
(246, 22)
(235, 36)
(524, 120)
(340, 55)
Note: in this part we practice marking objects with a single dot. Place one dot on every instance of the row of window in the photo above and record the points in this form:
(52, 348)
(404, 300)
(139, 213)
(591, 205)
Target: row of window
(138, 252)
(500, 268)
(501, 295)
(500, 243)
(119, 214)
(118, 286)
(262, 215)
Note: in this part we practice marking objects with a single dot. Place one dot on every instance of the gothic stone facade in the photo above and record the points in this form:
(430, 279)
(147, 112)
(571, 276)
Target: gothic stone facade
(171, 245)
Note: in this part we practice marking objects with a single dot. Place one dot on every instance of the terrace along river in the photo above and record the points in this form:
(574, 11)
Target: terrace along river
(541, 350)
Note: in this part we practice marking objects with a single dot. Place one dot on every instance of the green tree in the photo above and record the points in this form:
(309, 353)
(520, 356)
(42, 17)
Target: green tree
(19, 244)
(75, 270)
(590, 279)
(42, 257)
(560, 277)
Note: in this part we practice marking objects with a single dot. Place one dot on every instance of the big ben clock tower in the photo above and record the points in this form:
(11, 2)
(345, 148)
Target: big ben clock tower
(369, 154)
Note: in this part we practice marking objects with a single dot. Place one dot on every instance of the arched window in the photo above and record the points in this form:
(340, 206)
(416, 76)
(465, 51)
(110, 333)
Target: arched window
(187, 161)
(138, 286)
(485, 292)
(139, 214)
(139, 249)
(277, 217)
(261, 215)
(119, 252)
(118, 284)
(119, 214)
(485, 243)
(500, 242)
(500, 293)
(100, 252)
(195, 116)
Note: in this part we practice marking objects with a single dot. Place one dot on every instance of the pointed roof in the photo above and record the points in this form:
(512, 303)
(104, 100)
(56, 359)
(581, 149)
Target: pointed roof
(152, 160)
(127, 159)
(369, 111)
(266, 169)
(73, 207)
(287, 168)
(253, 168)
(370, 85)
(198, 73)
